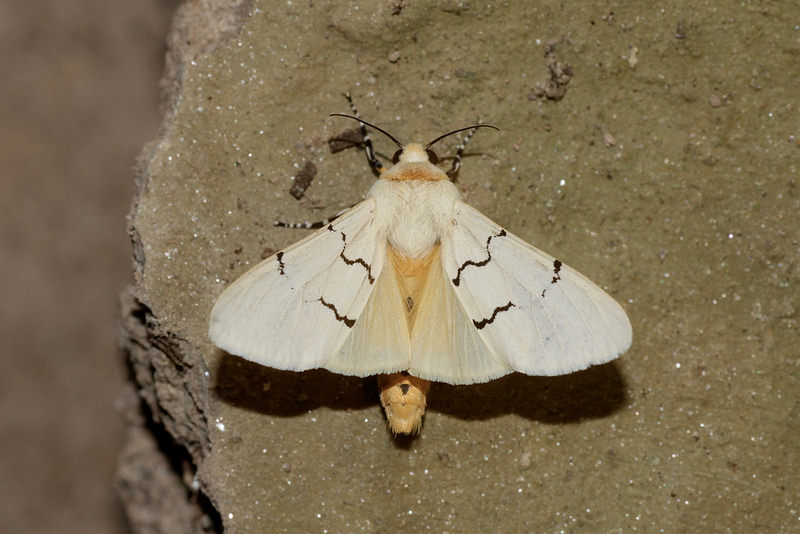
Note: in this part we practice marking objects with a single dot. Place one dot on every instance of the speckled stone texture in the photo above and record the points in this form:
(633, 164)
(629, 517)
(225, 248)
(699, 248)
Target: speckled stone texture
(665, 170)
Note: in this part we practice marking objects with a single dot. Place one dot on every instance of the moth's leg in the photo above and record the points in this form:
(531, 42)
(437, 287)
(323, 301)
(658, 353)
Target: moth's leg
(308, 224)
(459, 153)
(376, 165)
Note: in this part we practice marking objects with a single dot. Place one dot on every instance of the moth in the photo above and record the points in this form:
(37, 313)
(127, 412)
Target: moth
(414, 285)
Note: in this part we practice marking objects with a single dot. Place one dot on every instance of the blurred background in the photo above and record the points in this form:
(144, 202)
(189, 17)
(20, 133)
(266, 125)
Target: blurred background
(79, 97)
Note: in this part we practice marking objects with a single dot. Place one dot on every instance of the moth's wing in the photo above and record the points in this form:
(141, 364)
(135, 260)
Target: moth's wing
(295, 309)
(533, 313)
(445, 345)
(379, 342)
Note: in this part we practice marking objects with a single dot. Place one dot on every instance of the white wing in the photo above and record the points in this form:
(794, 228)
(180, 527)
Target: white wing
(534, 314)
(295, 309)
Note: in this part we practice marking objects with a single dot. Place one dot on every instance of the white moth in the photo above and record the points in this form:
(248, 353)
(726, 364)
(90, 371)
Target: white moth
(416, 286)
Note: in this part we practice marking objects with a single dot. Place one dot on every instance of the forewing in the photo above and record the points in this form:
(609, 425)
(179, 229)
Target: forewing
(532, 312)
(295, 309)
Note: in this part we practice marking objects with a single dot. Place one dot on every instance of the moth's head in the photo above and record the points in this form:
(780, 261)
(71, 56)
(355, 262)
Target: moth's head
(416, 161)
(414, 153)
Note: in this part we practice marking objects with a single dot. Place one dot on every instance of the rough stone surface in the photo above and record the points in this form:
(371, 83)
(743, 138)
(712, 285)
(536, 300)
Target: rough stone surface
(685, 210)
(167, 432)
(167, 436)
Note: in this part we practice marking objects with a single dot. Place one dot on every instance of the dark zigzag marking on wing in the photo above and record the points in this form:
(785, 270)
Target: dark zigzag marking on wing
(343, 318)
(348, 261)
(457, 279)
(556, 271)
(281, 265)
(483, 322)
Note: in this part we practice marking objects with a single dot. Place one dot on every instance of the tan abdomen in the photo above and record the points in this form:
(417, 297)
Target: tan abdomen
(403, 398)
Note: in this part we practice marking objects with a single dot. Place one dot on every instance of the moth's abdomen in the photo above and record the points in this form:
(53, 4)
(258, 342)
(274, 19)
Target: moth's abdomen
(403, 398)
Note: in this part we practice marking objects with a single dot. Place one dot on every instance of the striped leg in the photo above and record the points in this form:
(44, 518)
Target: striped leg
(376, 165)
(459, 153)
(310, 225)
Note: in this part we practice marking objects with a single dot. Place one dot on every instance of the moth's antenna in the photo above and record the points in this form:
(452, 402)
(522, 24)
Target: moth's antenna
(473, 127)
(369, 150)
(384, 132)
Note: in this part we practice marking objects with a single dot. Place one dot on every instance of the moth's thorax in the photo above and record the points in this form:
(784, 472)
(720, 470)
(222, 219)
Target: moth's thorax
(422, 171)
(414, 215)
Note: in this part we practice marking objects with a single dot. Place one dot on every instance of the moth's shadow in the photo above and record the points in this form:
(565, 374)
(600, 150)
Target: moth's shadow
(595, 392)
(592, 393)
(265, 390)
